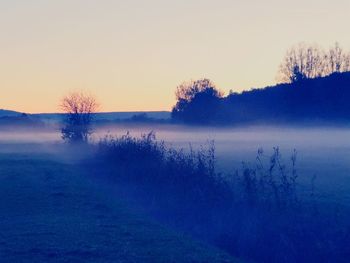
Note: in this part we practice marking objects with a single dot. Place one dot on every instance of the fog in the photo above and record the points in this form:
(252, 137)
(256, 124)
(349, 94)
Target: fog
(322, 152)
(41, 174)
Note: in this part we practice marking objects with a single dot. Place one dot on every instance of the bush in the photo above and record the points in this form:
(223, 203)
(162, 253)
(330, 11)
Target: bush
(254, 213)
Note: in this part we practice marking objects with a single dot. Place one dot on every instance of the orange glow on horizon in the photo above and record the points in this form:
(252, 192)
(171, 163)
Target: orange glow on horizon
(134, 62)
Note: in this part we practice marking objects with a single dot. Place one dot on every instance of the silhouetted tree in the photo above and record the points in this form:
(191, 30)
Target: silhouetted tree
(310, 61)
(337, 60)
(302, 62)
(297, 75)
(319, 99)
(79, 109)
(197, 101)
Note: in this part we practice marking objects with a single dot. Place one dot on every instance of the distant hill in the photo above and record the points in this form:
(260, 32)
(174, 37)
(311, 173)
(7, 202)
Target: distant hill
(8, 116)
(13, 119)
(324, 99)
(319, 99)
(158, 115)
(109, 116)
(9, 113)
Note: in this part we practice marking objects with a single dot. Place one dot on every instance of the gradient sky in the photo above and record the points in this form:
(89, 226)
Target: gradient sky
(133, 54)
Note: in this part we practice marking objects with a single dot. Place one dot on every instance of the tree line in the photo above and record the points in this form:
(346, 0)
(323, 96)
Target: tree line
(314, 86)
(305, 61)
(324, 99)
(201, 102)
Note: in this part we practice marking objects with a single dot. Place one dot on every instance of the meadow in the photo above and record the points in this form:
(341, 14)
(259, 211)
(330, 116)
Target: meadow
(323, 152)
(51, 211)
(321, 183)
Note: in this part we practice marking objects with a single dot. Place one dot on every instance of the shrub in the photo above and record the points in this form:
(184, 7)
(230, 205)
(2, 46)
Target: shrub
(254, 213)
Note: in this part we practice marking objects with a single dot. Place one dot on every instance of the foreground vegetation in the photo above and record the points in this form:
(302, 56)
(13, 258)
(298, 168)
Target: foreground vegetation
(255, 213)
(51, 212)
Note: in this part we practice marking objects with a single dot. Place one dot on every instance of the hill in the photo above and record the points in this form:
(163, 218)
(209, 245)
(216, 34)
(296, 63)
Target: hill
(324, 99)
(108, 116)
(319, 99)
(13, 118)
(8, 113)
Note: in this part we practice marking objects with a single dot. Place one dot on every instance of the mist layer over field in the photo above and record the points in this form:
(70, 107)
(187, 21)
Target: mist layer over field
(323, 152)
(36, 165)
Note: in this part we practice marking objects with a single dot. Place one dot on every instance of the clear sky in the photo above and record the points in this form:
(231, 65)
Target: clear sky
(132, 54)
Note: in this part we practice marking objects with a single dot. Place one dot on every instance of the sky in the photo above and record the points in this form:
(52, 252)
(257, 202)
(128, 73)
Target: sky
(132, 54)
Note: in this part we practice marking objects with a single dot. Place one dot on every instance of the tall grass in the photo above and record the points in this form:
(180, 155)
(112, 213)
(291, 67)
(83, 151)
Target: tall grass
(255, 212)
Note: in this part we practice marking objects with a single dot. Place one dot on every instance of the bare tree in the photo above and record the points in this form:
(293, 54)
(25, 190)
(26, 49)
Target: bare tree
(79, 109)
(337, 60)
(302, 61)
(310, 61)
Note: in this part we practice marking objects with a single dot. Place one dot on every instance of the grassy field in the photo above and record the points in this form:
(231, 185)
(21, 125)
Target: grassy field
(51, 212)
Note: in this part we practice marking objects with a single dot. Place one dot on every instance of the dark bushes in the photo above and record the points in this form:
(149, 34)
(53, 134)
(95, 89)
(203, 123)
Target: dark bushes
(254, 213)
(184, 177)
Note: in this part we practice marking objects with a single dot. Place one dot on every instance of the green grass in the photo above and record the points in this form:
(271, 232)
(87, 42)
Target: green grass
(50, 212)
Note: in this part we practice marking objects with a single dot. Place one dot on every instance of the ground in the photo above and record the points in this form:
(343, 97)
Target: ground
(50, 212)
